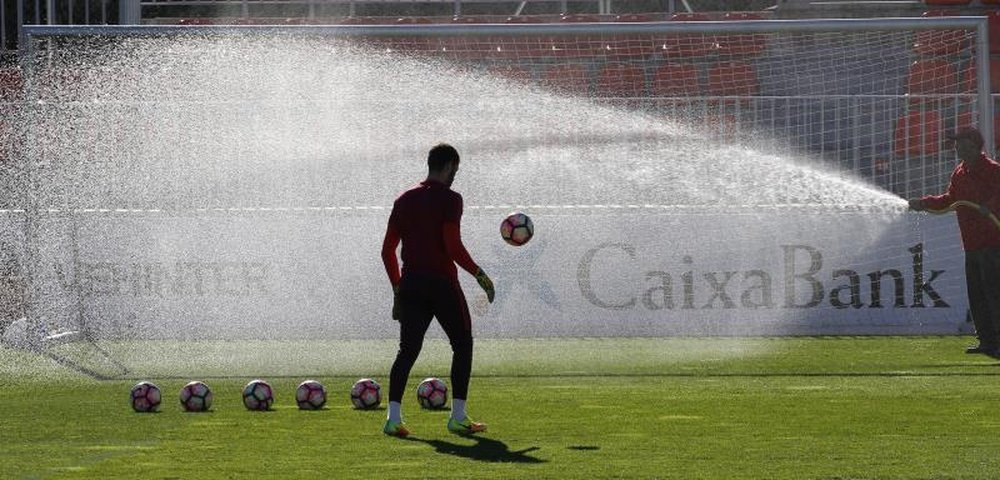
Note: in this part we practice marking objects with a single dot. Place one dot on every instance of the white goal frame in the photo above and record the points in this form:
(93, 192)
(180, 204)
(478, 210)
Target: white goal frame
(32, 35)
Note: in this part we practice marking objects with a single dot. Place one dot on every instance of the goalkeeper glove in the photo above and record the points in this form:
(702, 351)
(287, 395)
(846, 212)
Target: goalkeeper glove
(486, 284)
(397, 313)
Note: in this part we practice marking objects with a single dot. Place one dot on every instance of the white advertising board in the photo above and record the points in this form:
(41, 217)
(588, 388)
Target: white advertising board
(600, 271)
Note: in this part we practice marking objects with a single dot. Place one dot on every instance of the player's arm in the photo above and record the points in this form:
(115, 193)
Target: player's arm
(389, 260)
(456, 249)
(389, 244)
(457, 252)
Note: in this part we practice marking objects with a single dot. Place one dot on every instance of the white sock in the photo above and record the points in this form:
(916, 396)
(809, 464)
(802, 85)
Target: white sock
(395, 412)
(458, 409)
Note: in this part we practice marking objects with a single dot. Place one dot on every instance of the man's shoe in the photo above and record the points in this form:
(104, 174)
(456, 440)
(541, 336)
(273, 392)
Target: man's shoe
(395, 429)
(980, 349)
(465, 426)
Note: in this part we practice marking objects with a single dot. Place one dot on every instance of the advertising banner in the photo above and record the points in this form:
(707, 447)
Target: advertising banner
(589, 271)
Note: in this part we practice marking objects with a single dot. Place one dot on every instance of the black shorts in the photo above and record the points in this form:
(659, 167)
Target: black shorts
(423, 297)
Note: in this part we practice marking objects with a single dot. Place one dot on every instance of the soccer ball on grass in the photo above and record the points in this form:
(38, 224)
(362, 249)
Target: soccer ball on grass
(258, 395)
(196, 397)
(145, 397)
(311, 395)
(366, 394)
(432, 393)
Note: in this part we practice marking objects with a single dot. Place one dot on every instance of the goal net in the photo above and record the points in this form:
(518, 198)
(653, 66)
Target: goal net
(685, 178)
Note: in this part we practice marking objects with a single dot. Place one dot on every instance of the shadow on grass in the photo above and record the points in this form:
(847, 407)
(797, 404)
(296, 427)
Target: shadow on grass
(485, 450)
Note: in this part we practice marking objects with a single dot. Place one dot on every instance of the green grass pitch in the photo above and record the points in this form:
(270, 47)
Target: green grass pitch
(758, 408)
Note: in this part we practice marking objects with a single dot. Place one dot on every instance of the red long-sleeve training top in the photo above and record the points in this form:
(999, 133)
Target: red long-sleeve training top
(980, 185)
(426, 219)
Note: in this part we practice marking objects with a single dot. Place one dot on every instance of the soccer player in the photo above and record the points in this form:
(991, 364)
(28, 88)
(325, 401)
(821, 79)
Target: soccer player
(427, 218)
(976, 179)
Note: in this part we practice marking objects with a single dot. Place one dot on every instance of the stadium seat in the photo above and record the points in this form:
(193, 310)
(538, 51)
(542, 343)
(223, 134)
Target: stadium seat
(965, 120)
(567, 78)
(694, 45)
(741, 45)
(970, 78)
(733, 79)
(931, 77)
(939, 42)
(675, 80)
(918, 133)
(621, 80)
(672, 83)
(513, 71)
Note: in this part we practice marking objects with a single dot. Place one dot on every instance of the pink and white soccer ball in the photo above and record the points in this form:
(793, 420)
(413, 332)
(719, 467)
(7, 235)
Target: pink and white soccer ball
(196, 397)
(432, 393)
(258, 395)
(145, 397)
(310, 395)
(517, 229)
(366, 394)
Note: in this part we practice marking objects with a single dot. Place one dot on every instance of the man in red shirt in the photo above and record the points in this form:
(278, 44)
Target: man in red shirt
(975, 179)
(427, 219)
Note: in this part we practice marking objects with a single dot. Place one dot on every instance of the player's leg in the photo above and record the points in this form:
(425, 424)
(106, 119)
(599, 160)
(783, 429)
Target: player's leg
(453, 315)
(990, 289)
(978, 302)
(416, 315)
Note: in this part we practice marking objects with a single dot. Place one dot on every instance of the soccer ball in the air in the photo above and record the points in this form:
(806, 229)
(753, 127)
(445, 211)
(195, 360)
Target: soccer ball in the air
(366, 393)
(145, 397)
(311, 395)
(432, 393)
(258, 395)
(517, 229)
(196, 397)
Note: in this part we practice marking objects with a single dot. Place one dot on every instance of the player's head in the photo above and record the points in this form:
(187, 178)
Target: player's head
(968, 143)
(442, 162)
